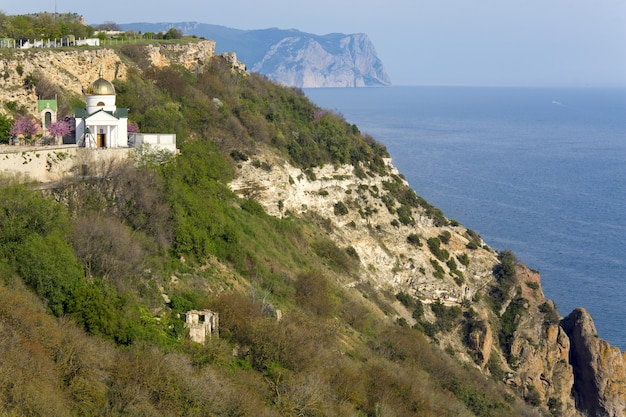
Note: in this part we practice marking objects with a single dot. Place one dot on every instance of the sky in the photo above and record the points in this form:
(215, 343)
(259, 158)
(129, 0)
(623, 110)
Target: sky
(580, 43)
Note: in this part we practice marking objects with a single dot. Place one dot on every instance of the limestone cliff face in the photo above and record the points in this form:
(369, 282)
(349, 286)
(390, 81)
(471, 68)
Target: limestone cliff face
(74, 70)
(599, 368)
(307, 61)
(542, 364)
(388, 260)
(292, 57)
(541, 348)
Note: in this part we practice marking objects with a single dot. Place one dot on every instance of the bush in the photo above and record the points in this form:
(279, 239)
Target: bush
(340, 209)
(508, 324)
(551, 315)
(312, 293)
(48, 266)
(405, 299)
(434, 244)
(463, 259)
(445, 237)
(446, 316)
(404, 215)
(5, 128)
(439, 272)
(336, 258)
(414, 240)
(418, 312)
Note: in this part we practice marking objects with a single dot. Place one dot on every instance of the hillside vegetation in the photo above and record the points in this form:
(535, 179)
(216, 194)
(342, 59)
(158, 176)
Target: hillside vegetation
(96, 272)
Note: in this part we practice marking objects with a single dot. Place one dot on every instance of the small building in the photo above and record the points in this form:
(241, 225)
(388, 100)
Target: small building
(47, 110)
(202, 324)
(104, 125)
(101, 124)
(87, 42)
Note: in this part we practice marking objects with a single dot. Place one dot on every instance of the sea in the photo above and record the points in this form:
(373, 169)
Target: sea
(538, 171)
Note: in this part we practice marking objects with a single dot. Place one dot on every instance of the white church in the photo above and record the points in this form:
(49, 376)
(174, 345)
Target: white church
(103, 125)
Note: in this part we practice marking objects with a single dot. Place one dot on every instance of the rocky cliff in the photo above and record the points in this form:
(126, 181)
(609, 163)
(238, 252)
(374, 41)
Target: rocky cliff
(291, 57)
(561, 367)
(564, 369)
(599, 368)
(333, 61)
(76, 69)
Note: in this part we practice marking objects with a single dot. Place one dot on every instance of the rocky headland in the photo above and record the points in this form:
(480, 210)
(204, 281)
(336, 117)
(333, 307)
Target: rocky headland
(557, 364)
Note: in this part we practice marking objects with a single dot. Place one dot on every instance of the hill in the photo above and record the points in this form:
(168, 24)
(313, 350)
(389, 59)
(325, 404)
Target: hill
(291, 57)
(340, 291)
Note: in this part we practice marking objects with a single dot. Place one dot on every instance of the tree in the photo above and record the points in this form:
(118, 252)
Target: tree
(313, 294)
(5, 128)
(25, 126)
(173, 33)
(48, 266)
(132, 128)
(59, 129)
(108, 25)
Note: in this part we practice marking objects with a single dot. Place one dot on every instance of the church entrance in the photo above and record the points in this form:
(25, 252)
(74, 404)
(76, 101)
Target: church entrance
(101, 140)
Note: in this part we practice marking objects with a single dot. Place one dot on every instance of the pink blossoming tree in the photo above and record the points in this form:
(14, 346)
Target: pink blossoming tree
(59, 129)
(25, 127)
(132, 128)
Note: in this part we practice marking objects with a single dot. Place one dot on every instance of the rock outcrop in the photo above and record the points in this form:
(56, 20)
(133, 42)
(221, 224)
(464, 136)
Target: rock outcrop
(599, 368)
(74, 70)
(558, 365)
(291, 57)
(303, 60)
(539, 349)
(541, 363)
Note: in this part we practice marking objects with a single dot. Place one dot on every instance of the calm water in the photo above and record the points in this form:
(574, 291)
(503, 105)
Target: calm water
(539, 171)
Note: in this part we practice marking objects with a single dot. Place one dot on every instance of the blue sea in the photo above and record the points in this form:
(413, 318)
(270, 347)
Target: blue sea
(539, 171)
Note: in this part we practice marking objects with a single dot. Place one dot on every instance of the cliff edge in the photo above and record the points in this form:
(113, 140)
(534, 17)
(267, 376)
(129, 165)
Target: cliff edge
(599, 368)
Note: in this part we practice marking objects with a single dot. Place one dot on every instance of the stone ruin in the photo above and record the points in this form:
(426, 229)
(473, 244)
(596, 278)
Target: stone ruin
(202, 324)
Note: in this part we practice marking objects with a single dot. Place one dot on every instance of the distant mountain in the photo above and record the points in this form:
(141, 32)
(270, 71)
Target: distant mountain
(291, 57)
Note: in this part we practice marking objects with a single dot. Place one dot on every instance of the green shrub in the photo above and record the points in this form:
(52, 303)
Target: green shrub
(48, 266)
(551, 315)
(532, 395)
(414, 240)
(404, 215)
(418, 311)
(405, 299)
(238, 155)
(532, 285)
(439, 272)
(312, 293)
(451, 263)
(445, 236)
(472, 246)
(434, 244)
(335, 257)
(401, 321)
(340, 209)
(5, 127)
(446, 316)
(508, 324)
(463, 259)
(352, 253)
(429, 329)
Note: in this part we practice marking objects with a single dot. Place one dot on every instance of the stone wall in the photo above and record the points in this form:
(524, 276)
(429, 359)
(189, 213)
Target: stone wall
(54, 163)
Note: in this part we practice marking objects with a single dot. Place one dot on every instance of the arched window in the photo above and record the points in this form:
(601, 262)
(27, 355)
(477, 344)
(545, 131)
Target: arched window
(100, 104)
(47, 119)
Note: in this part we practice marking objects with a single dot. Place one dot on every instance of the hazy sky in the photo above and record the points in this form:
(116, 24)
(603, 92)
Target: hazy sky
(421, 42)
